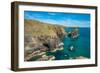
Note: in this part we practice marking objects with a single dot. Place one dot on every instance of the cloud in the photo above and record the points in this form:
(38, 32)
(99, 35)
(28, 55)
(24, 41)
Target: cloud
(54, 18)
(51, 21)
(80, 23)
(52, 13)
(68, 22)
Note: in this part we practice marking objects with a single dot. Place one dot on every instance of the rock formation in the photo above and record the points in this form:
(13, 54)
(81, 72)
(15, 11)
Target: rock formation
(41, 37)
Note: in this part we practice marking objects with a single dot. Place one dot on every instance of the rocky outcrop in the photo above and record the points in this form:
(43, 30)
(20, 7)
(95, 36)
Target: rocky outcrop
(74, 33)
(40, 29)
(41, 37)
(81, 57)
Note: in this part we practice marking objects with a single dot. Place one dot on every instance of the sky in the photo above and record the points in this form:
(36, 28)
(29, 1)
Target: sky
(58, 18)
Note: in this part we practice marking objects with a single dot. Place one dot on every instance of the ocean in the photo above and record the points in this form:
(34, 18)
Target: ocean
(81, 46)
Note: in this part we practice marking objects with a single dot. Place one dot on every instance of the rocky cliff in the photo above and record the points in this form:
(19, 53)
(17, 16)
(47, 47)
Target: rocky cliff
(37, 28)
(40, 37)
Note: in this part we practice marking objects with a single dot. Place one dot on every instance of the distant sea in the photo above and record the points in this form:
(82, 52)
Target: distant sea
(81, 46)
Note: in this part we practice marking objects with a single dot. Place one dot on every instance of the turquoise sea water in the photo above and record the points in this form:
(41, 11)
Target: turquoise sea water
(81, 46)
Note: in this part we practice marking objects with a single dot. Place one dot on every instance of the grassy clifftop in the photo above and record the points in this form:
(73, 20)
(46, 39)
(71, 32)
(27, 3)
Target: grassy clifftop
(37, 28)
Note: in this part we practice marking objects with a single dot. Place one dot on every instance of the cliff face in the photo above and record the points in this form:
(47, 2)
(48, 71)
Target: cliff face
(41, 37)
(37, 28)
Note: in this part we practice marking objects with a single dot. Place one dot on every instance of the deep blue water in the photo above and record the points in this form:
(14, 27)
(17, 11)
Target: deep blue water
(81, 45)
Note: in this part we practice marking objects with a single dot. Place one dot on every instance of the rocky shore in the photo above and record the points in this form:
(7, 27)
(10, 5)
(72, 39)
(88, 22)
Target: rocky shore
(40, 38)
